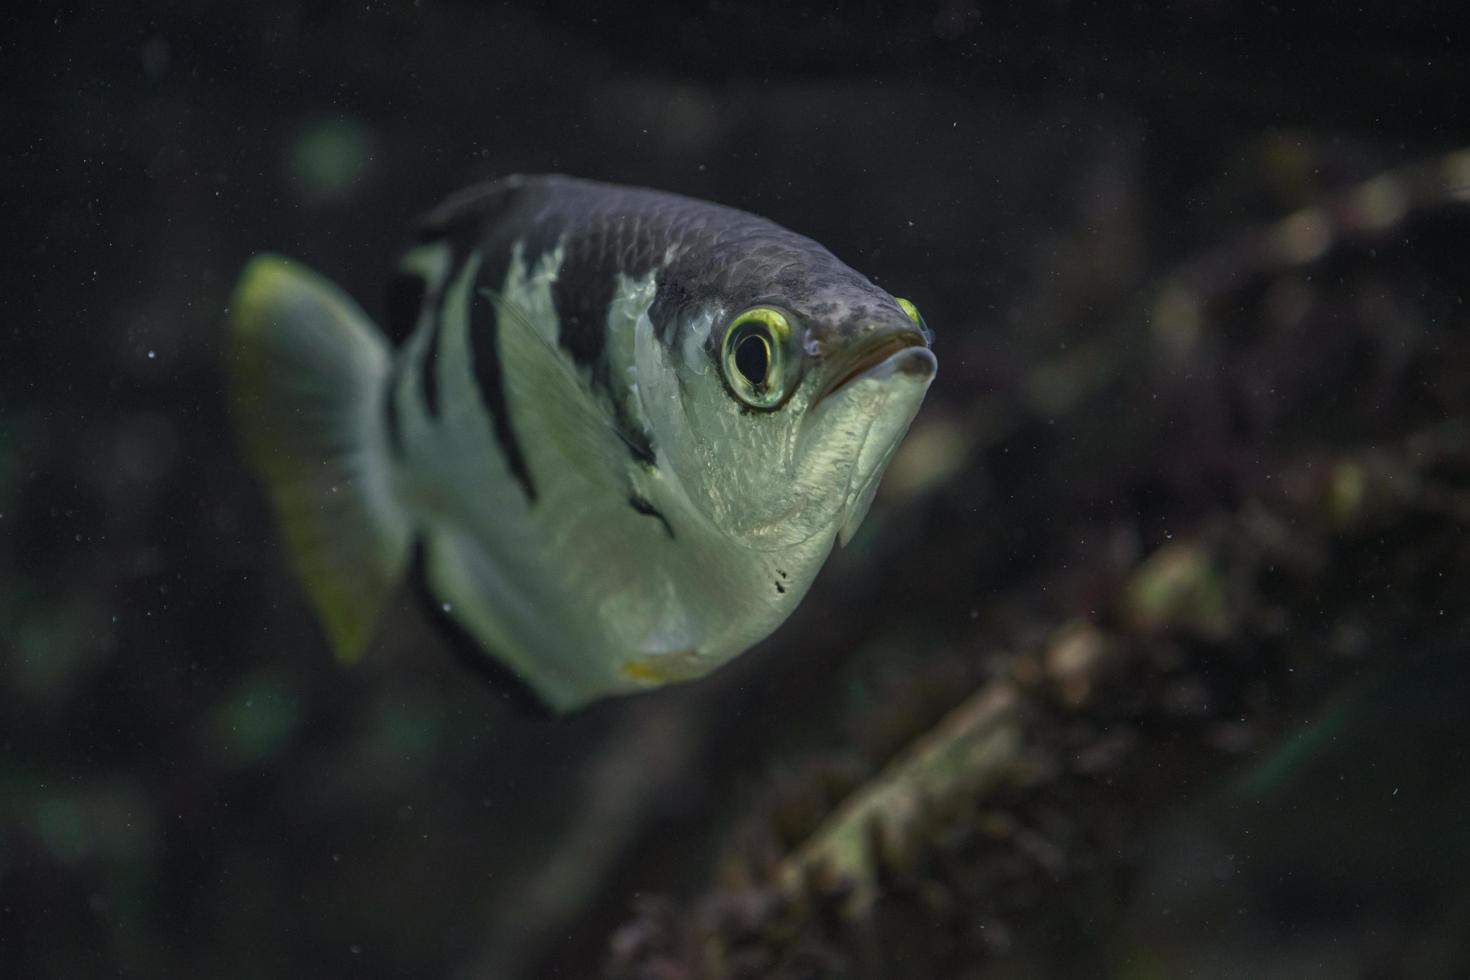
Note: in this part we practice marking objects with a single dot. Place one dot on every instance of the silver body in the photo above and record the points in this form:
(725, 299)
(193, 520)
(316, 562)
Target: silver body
(557, 432)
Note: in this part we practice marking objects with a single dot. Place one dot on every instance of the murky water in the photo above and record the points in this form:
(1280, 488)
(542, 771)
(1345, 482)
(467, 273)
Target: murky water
(1150, 659)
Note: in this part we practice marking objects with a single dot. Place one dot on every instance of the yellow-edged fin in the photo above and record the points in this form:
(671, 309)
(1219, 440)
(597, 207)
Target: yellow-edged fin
(307, 373)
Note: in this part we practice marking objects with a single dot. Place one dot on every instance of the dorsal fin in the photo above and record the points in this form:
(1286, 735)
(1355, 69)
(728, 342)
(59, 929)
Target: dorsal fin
(467, 211)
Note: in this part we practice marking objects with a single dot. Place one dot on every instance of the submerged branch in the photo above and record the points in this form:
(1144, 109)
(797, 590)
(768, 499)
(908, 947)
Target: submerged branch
(960, 846)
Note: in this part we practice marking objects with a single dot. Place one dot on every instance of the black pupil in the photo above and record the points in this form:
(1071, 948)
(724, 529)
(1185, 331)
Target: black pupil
(752, 359)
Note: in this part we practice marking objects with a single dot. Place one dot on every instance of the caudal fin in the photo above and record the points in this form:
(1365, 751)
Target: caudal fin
(307, 371)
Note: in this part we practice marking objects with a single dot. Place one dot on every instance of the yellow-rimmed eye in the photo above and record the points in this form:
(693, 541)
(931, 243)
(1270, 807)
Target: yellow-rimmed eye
(756, 356)
(912, 312)
(910, 309)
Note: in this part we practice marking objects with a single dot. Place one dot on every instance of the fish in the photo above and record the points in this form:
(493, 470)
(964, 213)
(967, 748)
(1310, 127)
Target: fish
(610, 434)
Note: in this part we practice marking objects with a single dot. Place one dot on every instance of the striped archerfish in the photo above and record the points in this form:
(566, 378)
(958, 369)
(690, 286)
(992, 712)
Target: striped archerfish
(610, 434)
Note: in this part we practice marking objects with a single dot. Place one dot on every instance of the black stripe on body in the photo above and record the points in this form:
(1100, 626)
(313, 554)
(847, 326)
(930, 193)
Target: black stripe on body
(428, 373)
(391, 421)
(583, 296)
(460, 226)
(642, 506)
(602, 249)
(489, 377)
(593, 258)
(405, 302)
(633, 437)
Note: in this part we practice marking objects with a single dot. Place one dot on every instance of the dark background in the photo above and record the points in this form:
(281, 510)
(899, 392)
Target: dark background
(190, 787)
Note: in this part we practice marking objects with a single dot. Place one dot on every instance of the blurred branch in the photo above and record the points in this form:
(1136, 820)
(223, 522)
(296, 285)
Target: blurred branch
(1041, 778)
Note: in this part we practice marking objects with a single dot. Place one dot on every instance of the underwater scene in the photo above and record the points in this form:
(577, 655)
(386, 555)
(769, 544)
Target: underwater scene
(735, 491)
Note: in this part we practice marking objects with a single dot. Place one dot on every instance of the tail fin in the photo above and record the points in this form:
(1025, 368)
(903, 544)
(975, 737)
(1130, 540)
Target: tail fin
(308, 372)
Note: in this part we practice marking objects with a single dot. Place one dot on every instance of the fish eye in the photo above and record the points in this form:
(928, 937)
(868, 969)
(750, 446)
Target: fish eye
(756, 357)
(912, 312)
(753, 359)
(910, 309)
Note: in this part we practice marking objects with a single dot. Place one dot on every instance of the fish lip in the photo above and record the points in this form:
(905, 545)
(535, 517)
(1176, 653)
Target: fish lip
(869, 356)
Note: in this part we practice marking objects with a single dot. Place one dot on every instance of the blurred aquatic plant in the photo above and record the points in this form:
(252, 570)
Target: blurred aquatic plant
(1038, 782)
(330, 159)
(1364, 215)
(255, 721)
(111, 819)
(54, 644)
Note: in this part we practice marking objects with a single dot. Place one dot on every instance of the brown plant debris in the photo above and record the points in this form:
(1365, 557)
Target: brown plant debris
(986, 827)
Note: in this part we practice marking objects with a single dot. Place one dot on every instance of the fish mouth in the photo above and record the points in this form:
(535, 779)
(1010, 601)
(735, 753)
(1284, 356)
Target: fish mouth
(869, 358)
